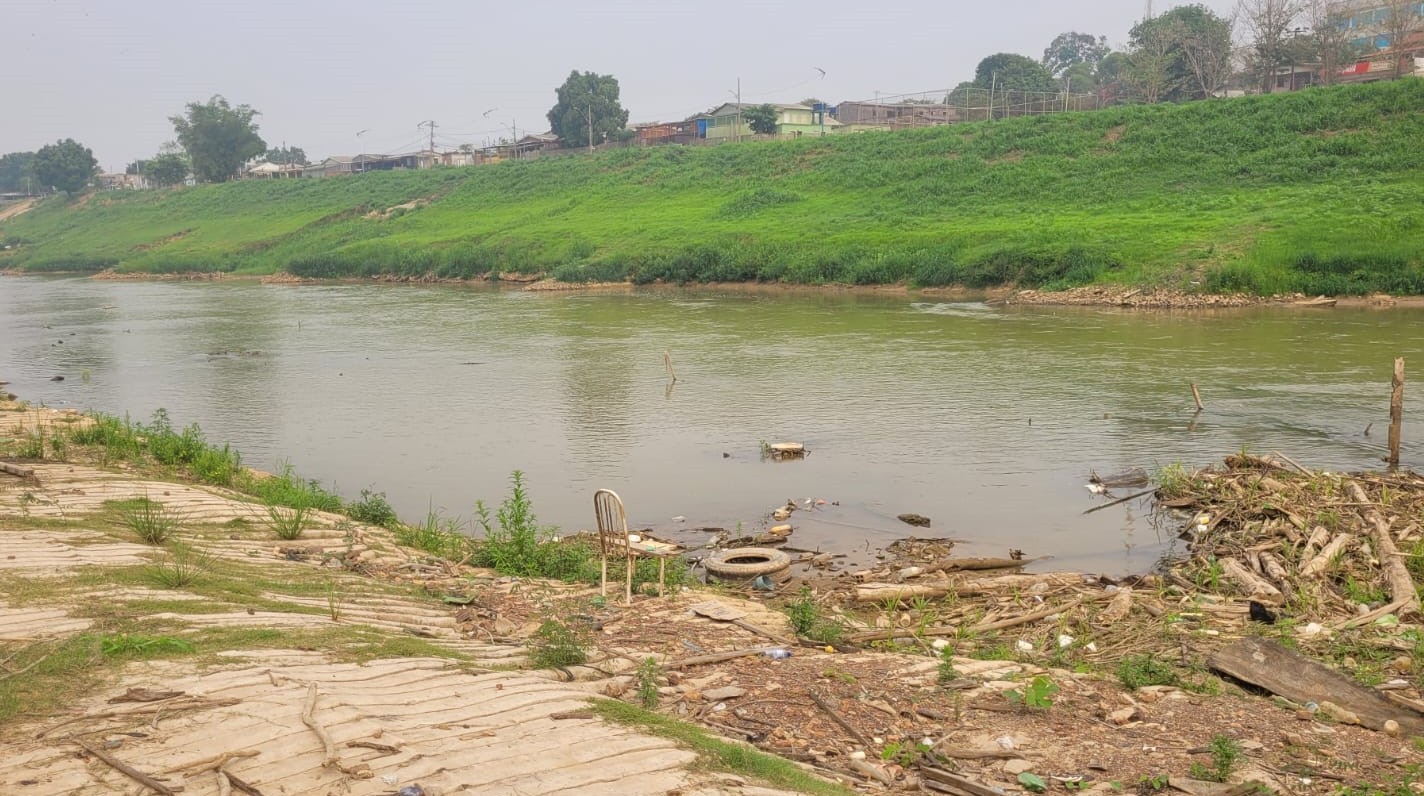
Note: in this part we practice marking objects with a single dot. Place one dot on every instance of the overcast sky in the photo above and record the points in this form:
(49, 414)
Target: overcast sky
(109, 73)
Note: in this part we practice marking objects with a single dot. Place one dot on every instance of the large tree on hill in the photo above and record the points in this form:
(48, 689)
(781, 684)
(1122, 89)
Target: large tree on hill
(587, 103)
(169, 168)
(760, 118)
(1270, 24)
(1182, 54)
(65, 166)
(1072, 48)
(14, 169)
(218, 138)
(1013, 72)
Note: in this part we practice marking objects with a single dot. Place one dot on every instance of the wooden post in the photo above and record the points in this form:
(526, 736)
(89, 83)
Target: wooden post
(667, 360)
(1196, 396)
(1396, 411)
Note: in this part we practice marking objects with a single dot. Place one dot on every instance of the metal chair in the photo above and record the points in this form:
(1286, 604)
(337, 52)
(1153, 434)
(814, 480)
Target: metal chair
(613, 539)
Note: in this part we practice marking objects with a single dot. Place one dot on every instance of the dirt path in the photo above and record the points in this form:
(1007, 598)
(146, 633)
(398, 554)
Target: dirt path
(10, 211)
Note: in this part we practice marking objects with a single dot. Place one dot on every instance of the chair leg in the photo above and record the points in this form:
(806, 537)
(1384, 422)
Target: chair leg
(628, 590)
(603, 577)
(662, 568)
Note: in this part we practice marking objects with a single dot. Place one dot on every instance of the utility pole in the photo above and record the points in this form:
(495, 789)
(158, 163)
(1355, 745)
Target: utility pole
(590, 121)
(737, 131)
(431, 124)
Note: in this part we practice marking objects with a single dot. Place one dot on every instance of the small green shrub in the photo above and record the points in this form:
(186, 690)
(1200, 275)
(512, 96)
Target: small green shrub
(1226, 755)
(373, 509)
(1136, 671)
(1038, 694)
(808, 620)
(180, 568)
(556, 644)
(125, 645)
(649, 672)
(289, 523)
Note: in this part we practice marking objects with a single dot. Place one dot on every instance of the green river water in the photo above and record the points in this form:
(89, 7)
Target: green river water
(988, 420)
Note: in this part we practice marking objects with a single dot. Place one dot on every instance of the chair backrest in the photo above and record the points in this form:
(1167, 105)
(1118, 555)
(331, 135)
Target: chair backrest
(612, 520)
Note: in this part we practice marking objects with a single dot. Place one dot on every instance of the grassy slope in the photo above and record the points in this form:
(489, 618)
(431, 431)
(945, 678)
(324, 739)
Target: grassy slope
(1313, 191)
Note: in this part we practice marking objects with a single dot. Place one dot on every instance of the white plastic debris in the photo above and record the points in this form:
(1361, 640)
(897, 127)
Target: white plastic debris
(1065, 640)
(939, 644)
(1024, 646)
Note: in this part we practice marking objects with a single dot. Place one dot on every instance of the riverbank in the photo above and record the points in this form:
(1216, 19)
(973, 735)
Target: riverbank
(1080, 682)
(1228, 195)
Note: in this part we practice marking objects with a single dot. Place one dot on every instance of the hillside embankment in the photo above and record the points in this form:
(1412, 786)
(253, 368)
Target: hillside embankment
(154, 624)
(1312, 192)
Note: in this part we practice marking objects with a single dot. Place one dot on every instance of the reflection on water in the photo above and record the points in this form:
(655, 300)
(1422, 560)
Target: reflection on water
(986, 419)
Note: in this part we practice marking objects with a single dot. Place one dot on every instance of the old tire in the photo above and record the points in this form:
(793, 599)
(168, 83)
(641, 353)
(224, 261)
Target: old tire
(747, 563)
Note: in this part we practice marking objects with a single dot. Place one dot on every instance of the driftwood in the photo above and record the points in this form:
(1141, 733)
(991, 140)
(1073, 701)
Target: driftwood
(949, 782)
(877, 592)
(1032, 617)
(1297, 678)
(1396, 410)
(836, 717)
(1404, 598)
(1118, 608)
(976, 564)
(1317, 565)
(1255, 585)
(191, 703)
(1143, 493)
(128, 770)
(237, 782)
(16, 470)
(212, 762)
(715, 657)
(330, 757)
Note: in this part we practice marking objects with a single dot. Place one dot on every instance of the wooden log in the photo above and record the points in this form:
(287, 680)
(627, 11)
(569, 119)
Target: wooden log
(1318, 537)
(1396, 410)
(976, 564)
(964, 587)
(1143, 493)
(128, 770)
(1029, 617)
(1118, 608)
(1267, 664)
(955, 783)
(836, 717)
(715, 657)
(1276, 571)
(1196, 396)
(16, 470)
(1401, 585)
(1317, 565)
(1254, 585)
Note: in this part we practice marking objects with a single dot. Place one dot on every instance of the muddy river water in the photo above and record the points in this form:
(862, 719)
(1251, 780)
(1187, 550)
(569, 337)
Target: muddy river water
(988, 420)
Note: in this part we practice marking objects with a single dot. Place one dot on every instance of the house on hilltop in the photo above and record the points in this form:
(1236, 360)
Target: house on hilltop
(1372, 27)
(728, 122)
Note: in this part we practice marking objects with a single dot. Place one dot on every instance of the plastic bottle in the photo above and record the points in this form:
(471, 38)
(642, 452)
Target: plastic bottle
(777, 653)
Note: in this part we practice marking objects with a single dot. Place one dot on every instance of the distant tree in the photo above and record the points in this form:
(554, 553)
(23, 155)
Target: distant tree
(1204, 40)
(286, 156)
(1330, 39)
(1012, 72)
(135, 167)
(761, 118)
(1153, 69)
(218, 138)
(1269, 22)
(14, 170)
(587, 100)
(1071, 48)
(812, 102)
(1403, 18)
(1080, 78)
(65, 166)
(168, 168)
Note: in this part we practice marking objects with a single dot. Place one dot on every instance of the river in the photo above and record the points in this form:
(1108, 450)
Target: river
(988, 420)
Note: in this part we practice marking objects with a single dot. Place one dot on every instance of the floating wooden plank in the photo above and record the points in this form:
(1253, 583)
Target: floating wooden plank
(1269, 665)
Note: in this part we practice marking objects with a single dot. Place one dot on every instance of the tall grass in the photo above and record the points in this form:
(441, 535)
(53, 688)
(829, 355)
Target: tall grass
(1311, 191)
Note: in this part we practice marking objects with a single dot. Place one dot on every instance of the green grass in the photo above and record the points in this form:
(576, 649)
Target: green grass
(1311, 191)
(719, 754)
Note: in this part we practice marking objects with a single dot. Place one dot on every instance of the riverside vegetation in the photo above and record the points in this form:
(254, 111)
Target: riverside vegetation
(1304, 192)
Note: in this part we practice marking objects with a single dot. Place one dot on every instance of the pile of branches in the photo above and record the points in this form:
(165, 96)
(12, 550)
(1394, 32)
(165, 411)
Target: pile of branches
(1343, 550)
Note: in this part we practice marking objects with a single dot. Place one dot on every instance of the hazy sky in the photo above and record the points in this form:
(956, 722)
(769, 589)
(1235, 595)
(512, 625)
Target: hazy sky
(109, 73)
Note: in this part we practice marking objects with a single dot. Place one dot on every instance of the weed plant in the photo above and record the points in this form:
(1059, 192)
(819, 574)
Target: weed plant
(151, 521)
(556, 644)
(1226, 755)
(649, 672)
(1136, 671)
(289, 523)
(179, 568)
(126, 645)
